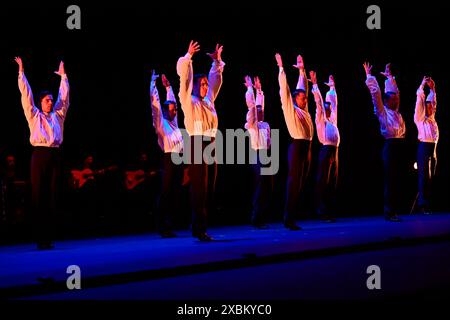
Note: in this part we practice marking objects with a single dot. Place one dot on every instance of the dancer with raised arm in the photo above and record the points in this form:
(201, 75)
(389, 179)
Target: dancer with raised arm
(301, 129)
(197, 95)
(260, 140)
(328, 133)
(46, 124)
(170, 141)
(393, 130)
(424, 118)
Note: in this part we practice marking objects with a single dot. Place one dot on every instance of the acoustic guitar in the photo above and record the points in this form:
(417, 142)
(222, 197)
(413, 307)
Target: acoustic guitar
(135, 178)
(81, 177)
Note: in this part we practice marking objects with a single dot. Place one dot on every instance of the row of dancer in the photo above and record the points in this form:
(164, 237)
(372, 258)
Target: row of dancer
(197, 95)
(199, 109)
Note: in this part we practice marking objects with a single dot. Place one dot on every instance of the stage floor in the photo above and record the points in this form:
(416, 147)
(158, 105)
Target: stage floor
(112, 267)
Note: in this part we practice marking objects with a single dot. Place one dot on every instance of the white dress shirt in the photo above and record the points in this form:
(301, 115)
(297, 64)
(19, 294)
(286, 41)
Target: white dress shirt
(298, 121)
(391, 121)
(426, 125)
(200, 117)
(169, 135)
(259, 130)
(327, 129)
(46, 129)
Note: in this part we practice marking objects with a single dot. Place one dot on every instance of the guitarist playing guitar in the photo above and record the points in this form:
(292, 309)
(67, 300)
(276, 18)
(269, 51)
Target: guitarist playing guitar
(135, 178)
(81, 177)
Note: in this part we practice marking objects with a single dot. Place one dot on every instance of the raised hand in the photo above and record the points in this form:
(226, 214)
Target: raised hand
(367, 68)
(193, 47)
(19, 62)
(248, 81)
(61, 70)
(279, 60)
(330, 82)
(257, 83)
(313, 76)
(431, 83)
(425, 81)
(387, 71)
(165, 81)
(300, 65)
(154, 75)
(217, 54)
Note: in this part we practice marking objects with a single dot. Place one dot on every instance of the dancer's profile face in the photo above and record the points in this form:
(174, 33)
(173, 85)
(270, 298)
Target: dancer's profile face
(47, 103)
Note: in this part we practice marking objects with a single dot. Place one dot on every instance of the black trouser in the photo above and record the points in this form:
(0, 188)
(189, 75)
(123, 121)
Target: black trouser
(263, 185)
(169, 198)
(45, 171)
(299, 161)
(327, 177)
(393, 153)
(203, 181)
(426, 165)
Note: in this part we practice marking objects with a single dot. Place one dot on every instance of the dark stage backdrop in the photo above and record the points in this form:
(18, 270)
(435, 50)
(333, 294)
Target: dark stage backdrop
(109, 60)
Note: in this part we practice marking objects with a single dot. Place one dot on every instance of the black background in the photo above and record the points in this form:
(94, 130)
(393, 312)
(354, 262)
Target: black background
(108, 63)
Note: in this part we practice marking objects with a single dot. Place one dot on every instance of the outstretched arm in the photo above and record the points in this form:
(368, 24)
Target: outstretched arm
(62, 103)
(432, 95)
(249, 94)
(375, 90)
(251, 104)
(302, 81)
(390, 85)
(185, 72)
(332, 98)
(215, 74)
(285, 93)
(169, 91)
(419, 112)
(27, 95)
(155, 102)
(259, 93)
(320, 111)
(287, 102)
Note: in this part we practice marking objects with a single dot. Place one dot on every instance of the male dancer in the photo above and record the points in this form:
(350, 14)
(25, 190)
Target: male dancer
(170, 141)
(197, 96)
(393, 130)
(424, 118)
(260, 140)
(300, 126)
(328, 133)
(46, 136)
